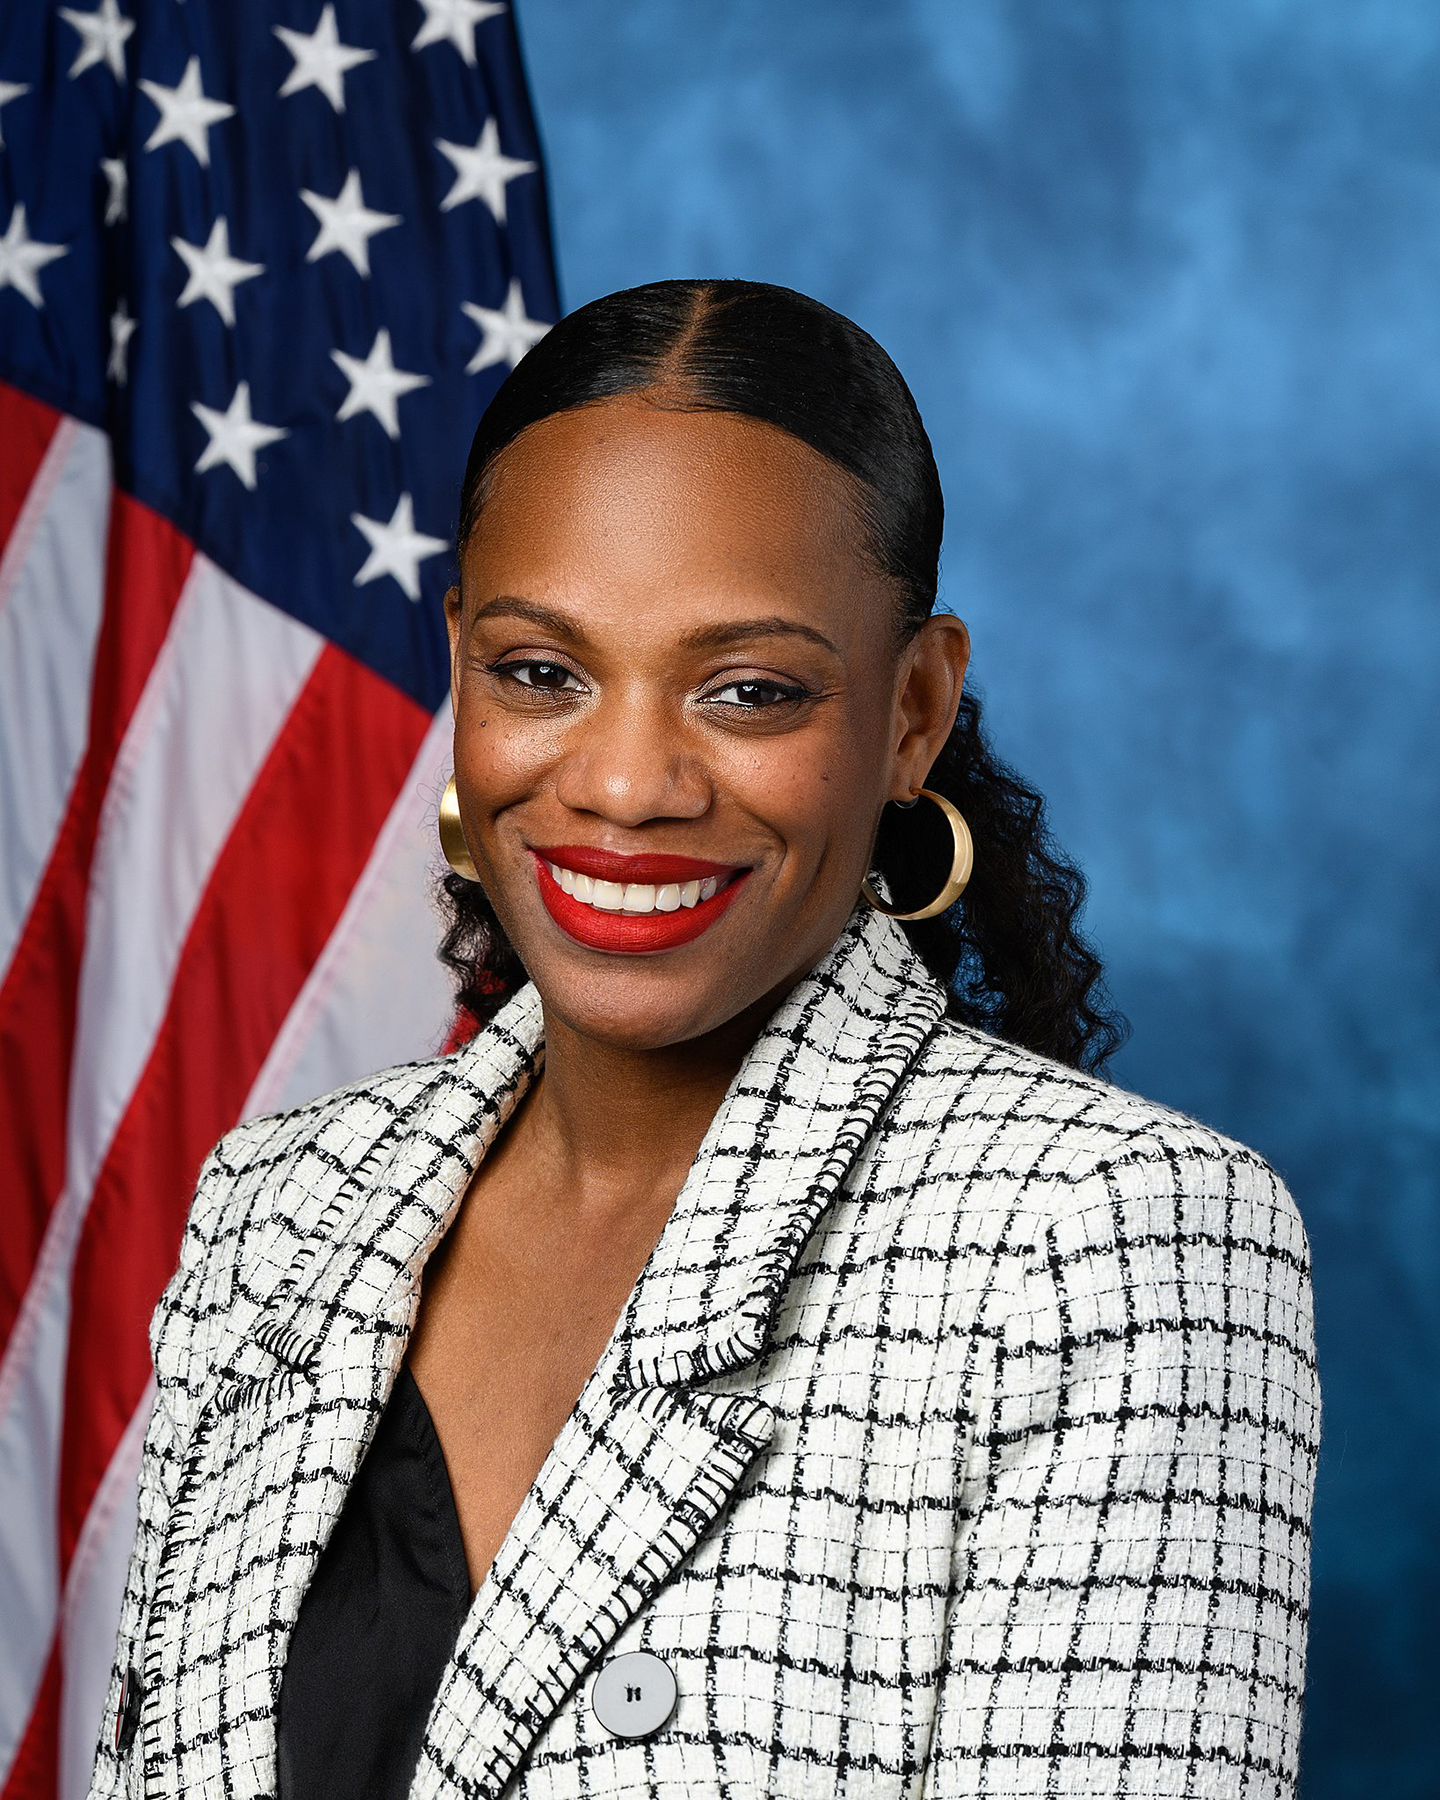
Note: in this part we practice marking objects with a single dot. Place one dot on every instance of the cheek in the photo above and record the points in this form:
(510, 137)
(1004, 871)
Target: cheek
(793, 793)
(806, 784)
(496, 756)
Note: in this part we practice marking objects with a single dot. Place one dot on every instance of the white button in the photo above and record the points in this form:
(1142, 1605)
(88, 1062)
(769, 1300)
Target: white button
(634, 1694)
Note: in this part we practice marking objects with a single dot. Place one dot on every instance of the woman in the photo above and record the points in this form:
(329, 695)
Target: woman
(768, 1358)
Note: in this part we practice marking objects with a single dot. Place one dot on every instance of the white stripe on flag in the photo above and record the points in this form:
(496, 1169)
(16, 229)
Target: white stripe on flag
(221, 689)
(52, 592)
(90, 1613)
(29, 1555)
(377, 994)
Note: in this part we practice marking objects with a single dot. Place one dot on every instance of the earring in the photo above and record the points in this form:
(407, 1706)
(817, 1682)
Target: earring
(961, 863)
(452, 836)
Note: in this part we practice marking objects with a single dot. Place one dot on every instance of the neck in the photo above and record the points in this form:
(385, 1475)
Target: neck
(614, 1125)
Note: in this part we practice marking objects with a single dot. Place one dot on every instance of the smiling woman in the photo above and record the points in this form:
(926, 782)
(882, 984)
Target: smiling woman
(768, 1358)
(692, 454)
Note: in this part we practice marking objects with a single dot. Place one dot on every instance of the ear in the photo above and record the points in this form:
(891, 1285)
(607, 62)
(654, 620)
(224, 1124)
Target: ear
(928, 697)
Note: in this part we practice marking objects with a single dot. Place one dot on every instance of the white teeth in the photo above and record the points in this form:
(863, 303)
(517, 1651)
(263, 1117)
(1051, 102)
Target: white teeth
(635, 896)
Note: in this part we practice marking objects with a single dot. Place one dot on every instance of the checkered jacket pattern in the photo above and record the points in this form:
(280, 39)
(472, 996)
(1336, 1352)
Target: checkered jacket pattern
(957, 1438)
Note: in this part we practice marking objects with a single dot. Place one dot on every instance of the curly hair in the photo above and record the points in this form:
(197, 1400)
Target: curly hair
(1008, 952)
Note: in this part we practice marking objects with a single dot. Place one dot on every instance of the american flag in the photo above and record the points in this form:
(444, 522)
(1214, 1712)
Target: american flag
(261, 267)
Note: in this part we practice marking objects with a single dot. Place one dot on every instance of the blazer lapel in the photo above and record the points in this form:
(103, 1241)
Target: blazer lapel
(647, 1458)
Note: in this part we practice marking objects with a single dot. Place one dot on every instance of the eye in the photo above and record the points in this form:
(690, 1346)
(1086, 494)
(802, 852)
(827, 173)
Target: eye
(787, 695)
(507, 670)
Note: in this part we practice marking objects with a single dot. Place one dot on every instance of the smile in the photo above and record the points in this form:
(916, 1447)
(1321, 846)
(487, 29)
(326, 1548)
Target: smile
(639, 897)
(634, 917)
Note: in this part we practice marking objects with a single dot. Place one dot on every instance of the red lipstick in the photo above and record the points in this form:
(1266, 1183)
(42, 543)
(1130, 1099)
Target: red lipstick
(633, 933)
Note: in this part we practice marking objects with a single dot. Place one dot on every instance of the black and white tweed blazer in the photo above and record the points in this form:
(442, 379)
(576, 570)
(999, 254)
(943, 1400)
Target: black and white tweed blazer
(957, 1438)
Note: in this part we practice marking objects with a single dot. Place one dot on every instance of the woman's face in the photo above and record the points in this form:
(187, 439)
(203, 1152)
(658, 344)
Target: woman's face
(597, 707)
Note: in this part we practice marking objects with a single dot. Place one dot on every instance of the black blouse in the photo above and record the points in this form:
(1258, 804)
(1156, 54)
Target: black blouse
(378, 1622)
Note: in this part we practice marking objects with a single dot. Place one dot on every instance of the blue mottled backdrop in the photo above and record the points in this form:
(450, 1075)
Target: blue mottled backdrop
(1165, 278)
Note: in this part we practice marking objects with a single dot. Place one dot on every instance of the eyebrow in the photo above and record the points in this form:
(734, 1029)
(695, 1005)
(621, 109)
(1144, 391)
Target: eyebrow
(707, 637)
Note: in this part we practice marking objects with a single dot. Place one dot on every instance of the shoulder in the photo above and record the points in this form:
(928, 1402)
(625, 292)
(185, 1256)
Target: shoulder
(277, 1169)
(1073, 1158)
(1096, 1232)
(334, 1129)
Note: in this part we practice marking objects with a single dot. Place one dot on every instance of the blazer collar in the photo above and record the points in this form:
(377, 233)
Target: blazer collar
(793, 1119)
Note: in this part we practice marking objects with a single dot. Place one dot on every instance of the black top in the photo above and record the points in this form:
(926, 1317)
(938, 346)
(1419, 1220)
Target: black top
(378, 1622)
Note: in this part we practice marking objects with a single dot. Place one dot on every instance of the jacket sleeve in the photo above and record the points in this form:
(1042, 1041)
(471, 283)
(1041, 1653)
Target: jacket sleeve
(177, 1348)
(1131, 1578)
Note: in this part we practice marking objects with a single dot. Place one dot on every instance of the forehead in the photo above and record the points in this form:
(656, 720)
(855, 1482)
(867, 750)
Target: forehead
(625, 477)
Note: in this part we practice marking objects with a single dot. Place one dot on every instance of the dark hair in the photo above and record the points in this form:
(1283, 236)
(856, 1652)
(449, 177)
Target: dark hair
(1008, 951)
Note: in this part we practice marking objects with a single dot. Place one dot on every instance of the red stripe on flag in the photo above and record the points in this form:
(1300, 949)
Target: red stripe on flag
(26, 428)
(147, 562)
(299, 845)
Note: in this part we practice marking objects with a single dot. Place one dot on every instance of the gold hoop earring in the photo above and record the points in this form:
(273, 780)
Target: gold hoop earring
(961, 865)
(452, 835)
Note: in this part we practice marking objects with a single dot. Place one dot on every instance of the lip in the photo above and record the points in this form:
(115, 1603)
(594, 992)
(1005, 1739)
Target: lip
(632, 933)
(610, 865)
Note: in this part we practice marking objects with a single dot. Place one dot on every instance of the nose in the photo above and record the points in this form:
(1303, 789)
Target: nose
(628, 761)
